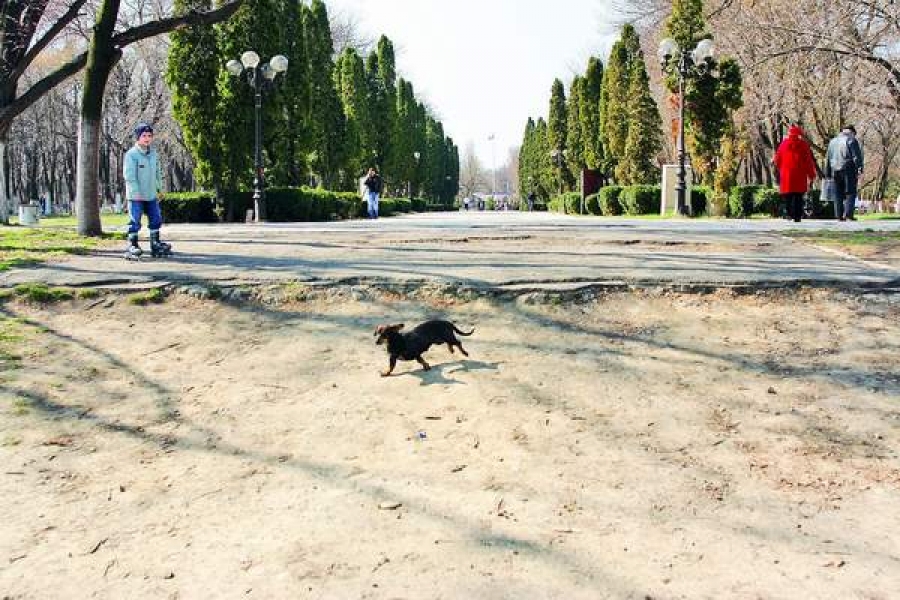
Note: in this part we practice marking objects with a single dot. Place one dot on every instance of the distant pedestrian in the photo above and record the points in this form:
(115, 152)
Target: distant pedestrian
(844, 164)
(531, 199)
(796, 169)
(373, 185)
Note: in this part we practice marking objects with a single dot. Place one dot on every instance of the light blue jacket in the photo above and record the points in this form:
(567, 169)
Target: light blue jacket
(143, 178)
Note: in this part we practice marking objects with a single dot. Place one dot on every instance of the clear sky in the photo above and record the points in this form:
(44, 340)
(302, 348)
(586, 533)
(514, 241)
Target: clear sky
(485, 66)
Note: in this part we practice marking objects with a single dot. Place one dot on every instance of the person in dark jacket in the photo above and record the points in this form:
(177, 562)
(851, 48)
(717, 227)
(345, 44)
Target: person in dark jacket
(844, 164)
(373, 185)
(796, 169)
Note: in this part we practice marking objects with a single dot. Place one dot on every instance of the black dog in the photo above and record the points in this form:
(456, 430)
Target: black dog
(411, 345)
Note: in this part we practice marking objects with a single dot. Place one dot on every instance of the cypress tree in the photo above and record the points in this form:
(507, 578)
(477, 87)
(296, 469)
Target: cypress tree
(192, 72)
(325, 116)
(614, 96)
(590, 114)
(644, 139)
(557, 129)
(710, 101)
(574, 128)
(293, 142)
(351, 82)
(526, 172)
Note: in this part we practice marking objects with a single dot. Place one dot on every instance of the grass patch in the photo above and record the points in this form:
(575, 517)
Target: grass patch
(71, 222)
(41, 294)
(29, 246)
(12, 336)
(154, 296)
(87, 293)
(848, 238)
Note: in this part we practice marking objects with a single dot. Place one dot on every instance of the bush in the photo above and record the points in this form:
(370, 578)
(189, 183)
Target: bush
(188, 207)
(767, 200)
(609, 200)
(556, 204)
(740, 200)
(641, 199)
(572, 203)
(592, 204)
(700, 199)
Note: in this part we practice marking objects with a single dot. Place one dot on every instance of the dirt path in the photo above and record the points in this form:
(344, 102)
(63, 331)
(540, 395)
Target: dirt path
(623, 446)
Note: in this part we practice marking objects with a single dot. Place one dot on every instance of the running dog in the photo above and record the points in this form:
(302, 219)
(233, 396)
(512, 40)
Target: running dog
(412, 344)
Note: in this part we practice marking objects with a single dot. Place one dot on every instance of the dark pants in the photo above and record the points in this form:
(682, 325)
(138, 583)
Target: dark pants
(138, 208)
(845, 185)
(794, 203)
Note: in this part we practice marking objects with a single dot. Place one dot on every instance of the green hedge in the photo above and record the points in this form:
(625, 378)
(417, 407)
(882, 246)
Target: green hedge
(640, 199)
(188, 207)
(700, 198)
(556, 204)
(609, 200)
(286, 204)
(741, 200)
(592, 204)
(767, 201)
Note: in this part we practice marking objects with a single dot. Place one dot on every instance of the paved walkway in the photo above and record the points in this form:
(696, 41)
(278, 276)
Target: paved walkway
(507, 250)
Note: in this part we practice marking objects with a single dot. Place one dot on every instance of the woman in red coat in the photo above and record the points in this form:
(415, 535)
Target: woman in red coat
(796, 169)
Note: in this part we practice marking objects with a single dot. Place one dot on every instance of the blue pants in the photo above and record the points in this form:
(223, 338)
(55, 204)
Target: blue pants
(372, 200)
(136, 208)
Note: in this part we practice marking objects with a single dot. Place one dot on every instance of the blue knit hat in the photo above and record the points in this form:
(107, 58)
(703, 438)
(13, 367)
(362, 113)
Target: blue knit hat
(142, 128)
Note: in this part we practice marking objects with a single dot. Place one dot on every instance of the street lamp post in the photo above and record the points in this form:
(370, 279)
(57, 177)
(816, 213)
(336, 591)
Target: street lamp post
(685, 62)
(416, 155)
(258, 76)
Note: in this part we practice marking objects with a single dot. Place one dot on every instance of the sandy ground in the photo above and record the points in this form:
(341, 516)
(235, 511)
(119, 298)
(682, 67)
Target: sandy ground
(630, 445)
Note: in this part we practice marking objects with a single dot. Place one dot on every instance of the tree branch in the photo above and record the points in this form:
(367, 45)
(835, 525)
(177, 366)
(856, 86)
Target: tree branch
(45, 40)
(127, 37)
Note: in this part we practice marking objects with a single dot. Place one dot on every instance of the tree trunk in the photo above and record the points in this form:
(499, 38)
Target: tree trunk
(4, 190)
(102, 57)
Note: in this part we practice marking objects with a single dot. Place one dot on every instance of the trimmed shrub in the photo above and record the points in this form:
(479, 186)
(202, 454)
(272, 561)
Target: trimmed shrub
(188, 207)
(740, 200)
(609, 200)
(556, 204)
(592, 204)
(572, 203)
(641, 199)
(700, 198)
(767, 200)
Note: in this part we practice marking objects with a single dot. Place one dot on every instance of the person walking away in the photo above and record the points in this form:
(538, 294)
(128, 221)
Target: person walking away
(531, 198)
(143, 180)
(844, 164)
(796, 168)
(373, 185)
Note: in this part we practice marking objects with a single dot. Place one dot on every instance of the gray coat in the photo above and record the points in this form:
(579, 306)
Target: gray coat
(844, 153)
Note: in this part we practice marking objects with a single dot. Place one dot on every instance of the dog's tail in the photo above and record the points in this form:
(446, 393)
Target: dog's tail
(461, 332)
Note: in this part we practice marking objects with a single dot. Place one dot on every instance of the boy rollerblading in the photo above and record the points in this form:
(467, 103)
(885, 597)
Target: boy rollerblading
(143, 180)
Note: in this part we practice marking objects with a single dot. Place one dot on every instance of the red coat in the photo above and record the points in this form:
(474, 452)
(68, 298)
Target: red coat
(794, 161)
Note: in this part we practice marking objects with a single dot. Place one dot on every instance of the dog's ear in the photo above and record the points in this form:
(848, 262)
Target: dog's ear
(397, 327)
(379, 330)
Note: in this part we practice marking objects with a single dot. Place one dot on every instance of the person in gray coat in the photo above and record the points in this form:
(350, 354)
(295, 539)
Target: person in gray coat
(844, 164)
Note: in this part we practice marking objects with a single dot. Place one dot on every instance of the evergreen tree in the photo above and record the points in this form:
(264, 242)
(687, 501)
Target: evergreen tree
(257, 25)
(192, 73)
(325, 117)
(590, 114)
(546, 180)
(614, 96)
(292, 143)
(557, 129)
(527, 172)
(710, 101)
(643, 142)
(384, 82)
(350, 79)
(574, 128)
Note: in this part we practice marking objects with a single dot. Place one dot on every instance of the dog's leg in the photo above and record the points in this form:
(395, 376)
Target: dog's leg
(424, 364)
(390, 367)
(461, 349)
(450, 347)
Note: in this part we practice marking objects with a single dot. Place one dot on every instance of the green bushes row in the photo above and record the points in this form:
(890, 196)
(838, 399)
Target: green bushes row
(286, 204)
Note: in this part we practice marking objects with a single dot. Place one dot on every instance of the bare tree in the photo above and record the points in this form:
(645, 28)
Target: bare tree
(472, 174)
